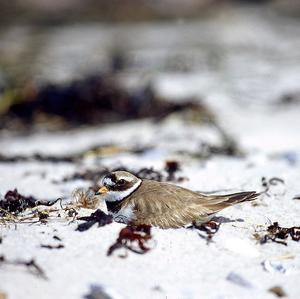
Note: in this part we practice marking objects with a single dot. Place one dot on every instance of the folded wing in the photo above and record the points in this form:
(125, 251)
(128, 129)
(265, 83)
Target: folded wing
(166, 205)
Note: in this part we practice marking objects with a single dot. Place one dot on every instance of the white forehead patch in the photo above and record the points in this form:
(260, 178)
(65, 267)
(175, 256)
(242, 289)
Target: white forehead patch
(107, 181)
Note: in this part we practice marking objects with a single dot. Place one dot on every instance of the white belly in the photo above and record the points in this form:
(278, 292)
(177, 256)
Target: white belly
(124, 215)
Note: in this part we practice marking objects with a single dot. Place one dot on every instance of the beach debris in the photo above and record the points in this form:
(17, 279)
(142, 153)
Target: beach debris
(157, 288)
(100, 292)
(96, 217)
(287, 256)
(207, 230)
(97, 292)
(238, 280)
(95, 151)
(228, 148)
(276, 233)
(133, 238)
(277, 291)
(273, 266)
(95, 99)
(172, 167)
(105, 150)
(43, 216)
(148, 173)
(71, 212)
(268, 184)
(38, 158)
(296, 197)
(85, 198)
(14, 203)
(31, 266)
(289, 98)
(114, 149)
(59, 246)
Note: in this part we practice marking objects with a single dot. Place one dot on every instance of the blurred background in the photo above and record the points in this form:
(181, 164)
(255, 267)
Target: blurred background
(68, 63)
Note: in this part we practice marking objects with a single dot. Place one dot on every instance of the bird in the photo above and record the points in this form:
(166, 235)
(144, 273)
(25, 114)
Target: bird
(132, 200)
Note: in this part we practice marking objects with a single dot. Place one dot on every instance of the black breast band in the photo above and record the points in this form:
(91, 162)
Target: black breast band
(115, 206)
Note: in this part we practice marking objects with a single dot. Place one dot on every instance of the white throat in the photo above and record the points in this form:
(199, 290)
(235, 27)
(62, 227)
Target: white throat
(119, 195)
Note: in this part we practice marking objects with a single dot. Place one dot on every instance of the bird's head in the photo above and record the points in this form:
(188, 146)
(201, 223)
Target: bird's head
(118, 185)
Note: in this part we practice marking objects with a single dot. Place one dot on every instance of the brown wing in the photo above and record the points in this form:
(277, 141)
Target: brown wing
(166, 205)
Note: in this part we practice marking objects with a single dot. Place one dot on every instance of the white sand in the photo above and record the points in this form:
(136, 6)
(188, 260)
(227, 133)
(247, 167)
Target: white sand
(181, 265)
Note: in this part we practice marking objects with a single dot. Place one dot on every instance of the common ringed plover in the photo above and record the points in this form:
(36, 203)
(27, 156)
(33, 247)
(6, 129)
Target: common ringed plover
(133, 200)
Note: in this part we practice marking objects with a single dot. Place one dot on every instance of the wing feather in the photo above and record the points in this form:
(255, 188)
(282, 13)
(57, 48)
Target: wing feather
(166, 205)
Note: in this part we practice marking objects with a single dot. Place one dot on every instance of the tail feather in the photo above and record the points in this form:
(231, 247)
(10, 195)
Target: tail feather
(219, 202)
(241, 197)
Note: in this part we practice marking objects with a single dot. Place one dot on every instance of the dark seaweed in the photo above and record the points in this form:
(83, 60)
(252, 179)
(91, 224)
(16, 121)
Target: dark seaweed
(92, 100)
(228, 148)
(57, 238)
(77, 157)
(172, 167)
(14, 202)
(133, 238)
(31, 265)
(97, 217)
(149, 174)
(59, 246)
(207, 230)
(43, 216)
(267, 184)
(97, 292)
(278, 234)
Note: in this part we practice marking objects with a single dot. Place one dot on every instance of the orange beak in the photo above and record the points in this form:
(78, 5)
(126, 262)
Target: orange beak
(102, 190)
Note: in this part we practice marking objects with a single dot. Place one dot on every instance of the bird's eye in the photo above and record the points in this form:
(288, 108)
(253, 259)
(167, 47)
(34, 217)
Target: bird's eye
(121, 182)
